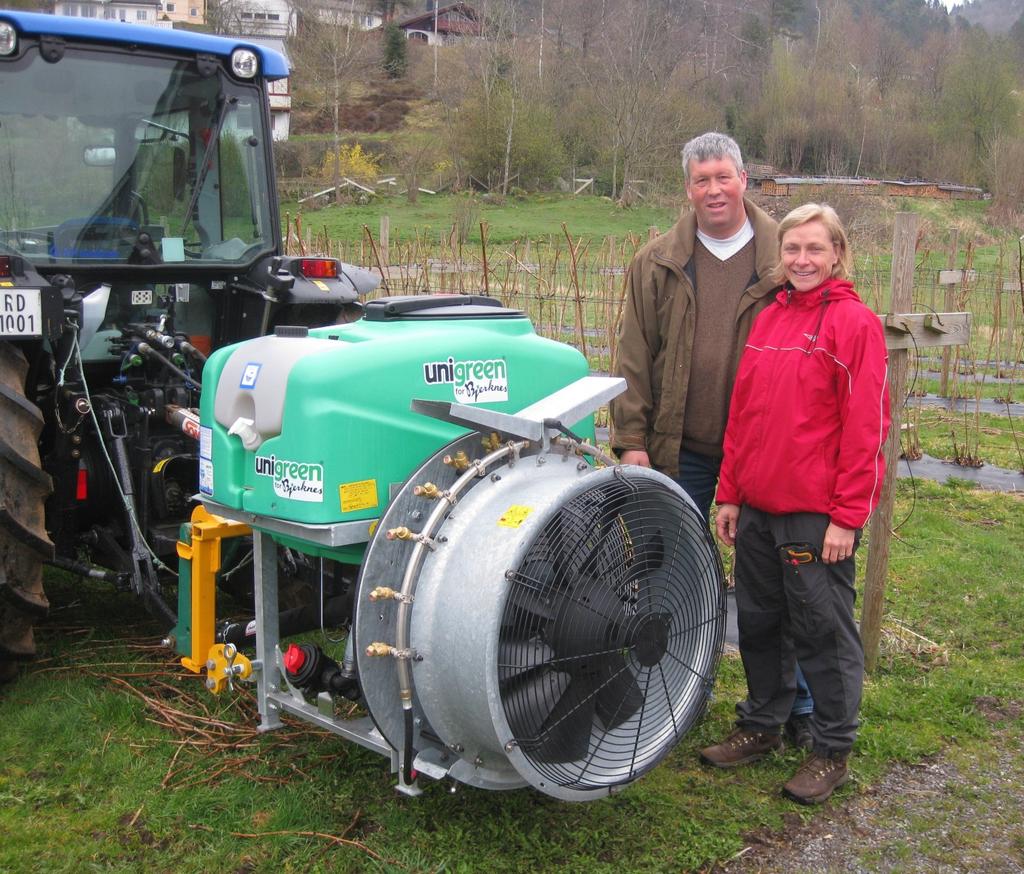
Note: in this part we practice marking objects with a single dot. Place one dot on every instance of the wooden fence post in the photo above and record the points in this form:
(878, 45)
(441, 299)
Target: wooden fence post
(904, 240)
(947, 304)
(385, 239)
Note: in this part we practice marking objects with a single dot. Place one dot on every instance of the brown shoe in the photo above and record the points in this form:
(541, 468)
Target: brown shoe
(816, 779)
(741, 747)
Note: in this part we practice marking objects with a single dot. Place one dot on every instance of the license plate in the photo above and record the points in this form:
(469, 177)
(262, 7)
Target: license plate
(20, 313)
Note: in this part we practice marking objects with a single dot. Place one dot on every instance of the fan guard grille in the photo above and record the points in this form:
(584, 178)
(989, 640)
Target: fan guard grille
(611, 633)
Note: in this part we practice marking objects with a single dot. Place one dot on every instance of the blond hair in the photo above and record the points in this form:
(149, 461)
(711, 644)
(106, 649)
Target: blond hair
(819, 212)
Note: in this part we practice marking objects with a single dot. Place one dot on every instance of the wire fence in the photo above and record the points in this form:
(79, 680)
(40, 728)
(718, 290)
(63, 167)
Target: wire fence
(572, 288)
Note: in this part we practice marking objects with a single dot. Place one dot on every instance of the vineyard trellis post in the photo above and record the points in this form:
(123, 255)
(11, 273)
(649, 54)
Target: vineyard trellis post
(947, 305)
(904, 330)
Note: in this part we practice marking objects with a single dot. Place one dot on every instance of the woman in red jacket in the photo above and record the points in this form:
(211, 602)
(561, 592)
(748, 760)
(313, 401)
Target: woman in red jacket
(802, 471)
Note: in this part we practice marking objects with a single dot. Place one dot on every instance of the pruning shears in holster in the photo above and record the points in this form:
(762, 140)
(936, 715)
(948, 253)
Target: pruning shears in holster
(797, 553)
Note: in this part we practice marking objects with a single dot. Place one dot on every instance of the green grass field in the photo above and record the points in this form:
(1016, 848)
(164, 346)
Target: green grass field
(116, 759)
(538, 217)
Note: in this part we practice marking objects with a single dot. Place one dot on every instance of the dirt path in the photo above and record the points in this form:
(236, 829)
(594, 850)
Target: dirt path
(961, 812)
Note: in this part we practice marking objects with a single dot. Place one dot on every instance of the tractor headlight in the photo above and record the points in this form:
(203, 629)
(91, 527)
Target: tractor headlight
(244, 63)
(8, 38)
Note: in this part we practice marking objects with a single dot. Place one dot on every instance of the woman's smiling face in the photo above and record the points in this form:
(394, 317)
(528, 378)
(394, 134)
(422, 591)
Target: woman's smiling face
(808, 255)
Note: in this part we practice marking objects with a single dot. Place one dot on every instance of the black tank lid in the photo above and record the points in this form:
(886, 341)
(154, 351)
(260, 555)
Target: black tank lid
(436, 306)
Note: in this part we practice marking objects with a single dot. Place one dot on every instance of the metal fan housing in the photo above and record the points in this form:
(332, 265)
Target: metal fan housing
(566, 628)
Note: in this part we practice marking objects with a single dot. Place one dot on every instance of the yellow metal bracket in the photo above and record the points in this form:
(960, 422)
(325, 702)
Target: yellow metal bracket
(225, 665)
(204, 553)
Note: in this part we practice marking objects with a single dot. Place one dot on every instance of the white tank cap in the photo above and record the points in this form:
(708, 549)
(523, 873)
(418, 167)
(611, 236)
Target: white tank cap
(244, 429)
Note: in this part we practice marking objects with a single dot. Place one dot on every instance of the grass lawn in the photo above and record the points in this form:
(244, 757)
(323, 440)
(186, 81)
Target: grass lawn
(116, 759)
(538, 217)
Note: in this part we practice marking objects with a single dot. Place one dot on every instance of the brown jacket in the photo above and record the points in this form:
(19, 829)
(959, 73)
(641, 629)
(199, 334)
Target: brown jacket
(656, 335)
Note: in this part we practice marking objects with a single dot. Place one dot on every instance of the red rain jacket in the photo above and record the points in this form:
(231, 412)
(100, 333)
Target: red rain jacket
(810, 409)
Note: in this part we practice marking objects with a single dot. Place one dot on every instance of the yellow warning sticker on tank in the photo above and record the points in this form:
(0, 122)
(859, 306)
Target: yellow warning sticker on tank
(160, 465)
(361, 495)
(514, 516)
(323, 286)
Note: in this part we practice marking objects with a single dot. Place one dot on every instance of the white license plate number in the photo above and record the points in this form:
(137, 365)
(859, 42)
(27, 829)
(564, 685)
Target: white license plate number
(20, 313)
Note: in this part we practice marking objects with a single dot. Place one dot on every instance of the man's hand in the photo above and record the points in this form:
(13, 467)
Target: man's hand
(725, 523)
(838, 545)
(635, 456)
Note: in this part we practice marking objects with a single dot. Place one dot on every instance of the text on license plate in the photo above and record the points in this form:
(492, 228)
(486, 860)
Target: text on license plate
(20, 313)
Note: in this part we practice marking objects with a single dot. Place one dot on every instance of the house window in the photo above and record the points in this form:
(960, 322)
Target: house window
(89, 11)
(140, 14)
(273, 16)
(194, 12)
(169, 7)
(246, 16)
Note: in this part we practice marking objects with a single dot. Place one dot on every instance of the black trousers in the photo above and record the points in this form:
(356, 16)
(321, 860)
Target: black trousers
(791, 608)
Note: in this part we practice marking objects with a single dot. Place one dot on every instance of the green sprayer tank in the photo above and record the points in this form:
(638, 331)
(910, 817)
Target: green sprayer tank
(315, 426)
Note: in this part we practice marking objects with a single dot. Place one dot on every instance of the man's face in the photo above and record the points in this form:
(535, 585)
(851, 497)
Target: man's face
(716, 189)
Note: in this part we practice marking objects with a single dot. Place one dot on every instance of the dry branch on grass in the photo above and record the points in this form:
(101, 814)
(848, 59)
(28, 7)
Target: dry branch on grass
(339, 840)
(898, 638)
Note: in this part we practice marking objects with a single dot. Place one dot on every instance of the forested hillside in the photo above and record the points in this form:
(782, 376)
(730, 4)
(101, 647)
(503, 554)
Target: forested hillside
(612, 88)
(996, 16)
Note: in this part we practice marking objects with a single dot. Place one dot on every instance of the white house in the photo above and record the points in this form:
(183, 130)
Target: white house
(271, 18)
(128, 11)
(280, 90)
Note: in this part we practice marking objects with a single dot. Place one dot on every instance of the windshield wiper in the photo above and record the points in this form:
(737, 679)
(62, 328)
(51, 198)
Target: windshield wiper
(204, 169)
(175, 134)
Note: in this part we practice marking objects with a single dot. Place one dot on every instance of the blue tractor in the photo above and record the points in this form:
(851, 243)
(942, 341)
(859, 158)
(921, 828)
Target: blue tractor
(139, 231)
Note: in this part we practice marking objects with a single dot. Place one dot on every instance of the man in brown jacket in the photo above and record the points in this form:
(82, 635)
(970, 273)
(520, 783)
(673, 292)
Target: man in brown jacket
(691, 297)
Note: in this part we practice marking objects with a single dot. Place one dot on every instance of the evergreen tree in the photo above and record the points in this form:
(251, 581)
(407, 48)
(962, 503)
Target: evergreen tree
(396, 58)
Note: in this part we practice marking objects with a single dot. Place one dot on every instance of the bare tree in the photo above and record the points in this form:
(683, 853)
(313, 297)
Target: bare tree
(630, 75)
(330, 54)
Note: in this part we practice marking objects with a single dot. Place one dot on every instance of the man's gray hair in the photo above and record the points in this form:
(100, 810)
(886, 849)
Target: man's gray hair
(709, 146)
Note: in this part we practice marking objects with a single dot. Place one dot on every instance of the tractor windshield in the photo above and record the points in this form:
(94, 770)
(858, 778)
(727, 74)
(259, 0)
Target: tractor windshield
(116, 157)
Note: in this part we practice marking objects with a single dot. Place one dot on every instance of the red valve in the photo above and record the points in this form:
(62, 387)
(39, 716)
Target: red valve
(294, 659)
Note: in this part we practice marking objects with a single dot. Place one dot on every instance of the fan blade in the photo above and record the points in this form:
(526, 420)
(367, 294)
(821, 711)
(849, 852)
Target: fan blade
(518, 657)
(571, 532)
(587, 623)
(607, 552)
(530, 698)
(619, 696)
(646, 543)
(534, 584)
(654, 591)
(565, 735)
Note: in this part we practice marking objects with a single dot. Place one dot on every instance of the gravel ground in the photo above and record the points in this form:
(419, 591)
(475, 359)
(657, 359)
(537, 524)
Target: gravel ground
(960, 812)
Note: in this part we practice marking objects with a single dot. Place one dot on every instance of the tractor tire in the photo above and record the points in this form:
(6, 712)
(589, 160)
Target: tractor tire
(24, 543)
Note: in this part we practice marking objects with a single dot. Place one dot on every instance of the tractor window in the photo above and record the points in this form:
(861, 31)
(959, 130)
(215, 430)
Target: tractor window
(122, 158)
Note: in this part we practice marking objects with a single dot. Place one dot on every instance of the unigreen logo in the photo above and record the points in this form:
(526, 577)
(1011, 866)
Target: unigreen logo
(295, 480)
(473, 382)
